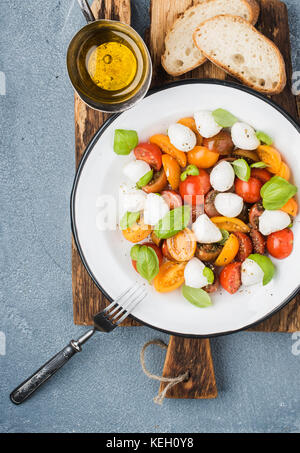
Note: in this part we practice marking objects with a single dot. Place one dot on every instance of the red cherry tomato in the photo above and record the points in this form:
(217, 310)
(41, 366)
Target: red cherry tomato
(249, 191)
(193, 186)
(262, 174)
(245, 246)
(172, 198)
(157, 251)
(259, 241)
(150, 153)
(280, 244)
(230, 277)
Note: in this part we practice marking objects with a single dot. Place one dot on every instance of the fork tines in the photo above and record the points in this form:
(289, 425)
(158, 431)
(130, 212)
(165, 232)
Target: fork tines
(120, 308)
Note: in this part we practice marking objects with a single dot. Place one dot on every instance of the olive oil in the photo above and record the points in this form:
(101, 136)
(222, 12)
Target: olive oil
(112, 66)
(108, 64)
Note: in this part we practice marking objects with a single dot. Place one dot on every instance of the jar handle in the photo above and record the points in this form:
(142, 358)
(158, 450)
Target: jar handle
(86, 11)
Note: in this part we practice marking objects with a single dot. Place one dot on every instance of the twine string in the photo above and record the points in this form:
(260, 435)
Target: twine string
(171, 381)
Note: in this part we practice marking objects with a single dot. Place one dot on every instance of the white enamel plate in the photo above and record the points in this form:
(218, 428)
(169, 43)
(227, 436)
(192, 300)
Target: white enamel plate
(105, 253)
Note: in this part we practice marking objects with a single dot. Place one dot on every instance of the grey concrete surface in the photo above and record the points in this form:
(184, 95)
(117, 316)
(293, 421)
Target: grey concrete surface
(103, 389)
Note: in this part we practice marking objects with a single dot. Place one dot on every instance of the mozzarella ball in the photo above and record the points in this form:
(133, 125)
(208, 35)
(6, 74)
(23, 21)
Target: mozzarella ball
(155, 209)
(222, 176)
(193, 274)
(206, 124)
(182, 137)
(251, 273)
(206, 231)
(136, 169)
(131, 199)
(244, 137)
(271, 221)
(229, 204)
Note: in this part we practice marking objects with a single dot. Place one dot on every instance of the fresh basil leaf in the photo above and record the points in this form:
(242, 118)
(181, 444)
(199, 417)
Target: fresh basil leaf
(144, 180)
(263, 137)
(196, 296)
(125, 141)
(208, 273)
(173, 222)
(277, 192)
(190, 170)
(134, 252)
(129, 219)
(259, 165)
(266, 265)
(242, 169)
(225, 236)
(147, 263)
(224, 118)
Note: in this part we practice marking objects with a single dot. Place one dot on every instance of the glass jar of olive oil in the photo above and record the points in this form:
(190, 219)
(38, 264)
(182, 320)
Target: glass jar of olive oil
(109, 65)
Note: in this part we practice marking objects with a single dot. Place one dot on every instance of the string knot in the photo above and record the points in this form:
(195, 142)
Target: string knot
(171, 382)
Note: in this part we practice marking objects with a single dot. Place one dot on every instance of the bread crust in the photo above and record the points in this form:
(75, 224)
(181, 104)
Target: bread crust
(254, 13)
(239, 76)
(255, 10)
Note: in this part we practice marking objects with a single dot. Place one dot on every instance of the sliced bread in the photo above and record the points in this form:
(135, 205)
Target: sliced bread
(181, 55)
(234, 45)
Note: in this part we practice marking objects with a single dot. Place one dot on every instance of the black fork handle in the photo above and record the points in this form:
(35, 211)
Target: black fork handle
(30, 385)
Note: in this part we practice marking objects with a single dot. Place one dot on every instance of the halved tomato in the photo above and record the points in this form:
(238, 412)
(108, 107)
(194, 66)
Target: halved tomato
(255, 213)
(166, 146)
(158, 182)
(170, 277)
(270, 156)
(157, 251)
(258, 241)
(291, 207)
(172, 170)
(221, 143)
(230, 277)
(208, 252)
(137, 232)
(182, 246)
(229, 252)
(284, 171)
(246, 246)
(230, 224)
(150, 153)
(172, 198)
(157, 241)
(191, 124)
(262, 174)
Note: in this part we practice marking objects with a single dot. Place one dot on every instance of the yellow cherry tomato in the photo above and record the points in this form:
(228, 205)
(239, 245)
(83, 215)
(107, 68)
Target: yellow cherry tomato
(229, 251)
(163, 142)
(233, 225)
(202, 157)
(170, 277)
(172, 170)
(137, 232)
(284, 171)
(291, 207)
(270, 156)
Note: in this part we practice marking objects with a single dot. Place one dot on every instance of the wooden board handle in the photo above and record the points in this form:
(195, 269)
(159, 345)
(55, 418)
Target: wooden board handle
(193, 355)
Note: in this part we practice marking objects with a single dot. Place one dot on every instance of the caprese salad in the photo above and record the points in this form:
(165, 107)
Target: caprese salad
(204, 203)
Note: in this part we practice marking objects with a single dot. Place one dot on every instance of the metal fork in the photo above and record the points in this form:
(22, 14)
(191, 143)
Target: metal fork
(105, 321)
